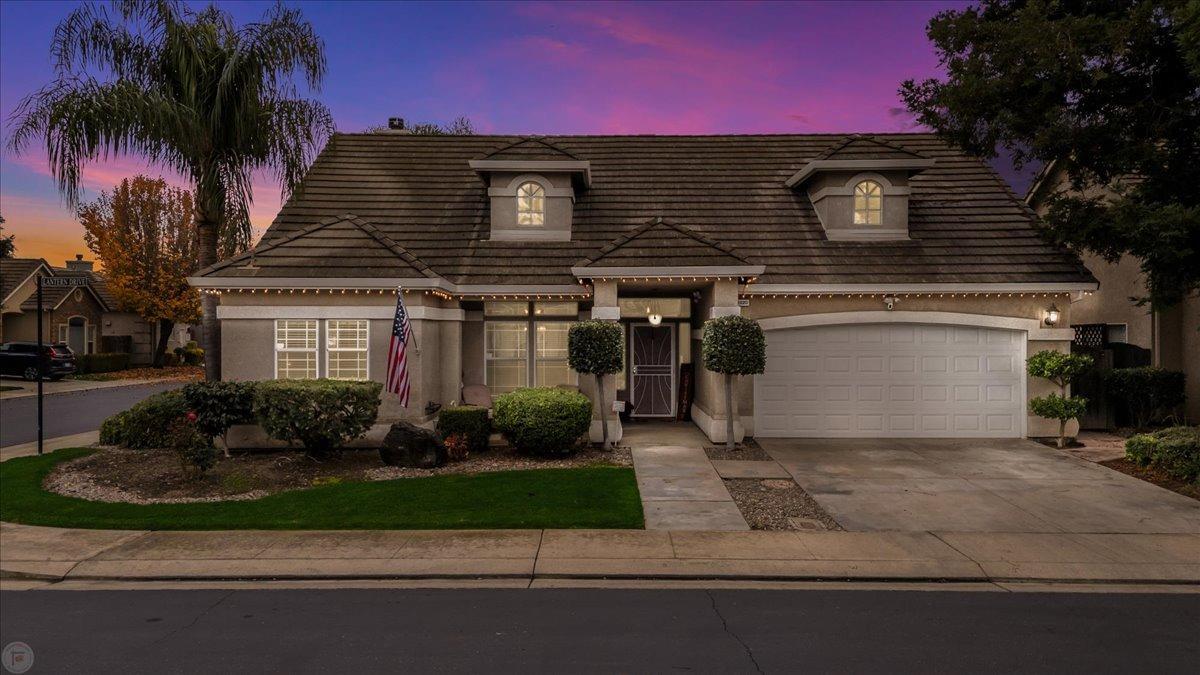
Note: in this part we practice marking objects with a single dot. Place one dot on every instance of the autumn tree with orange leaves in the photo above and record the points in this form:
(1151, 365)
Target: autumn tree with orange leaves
(144, 234)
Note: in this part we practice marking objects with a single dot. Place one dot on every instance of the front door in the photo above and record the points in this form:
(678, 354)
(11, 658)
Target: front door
(652, 361)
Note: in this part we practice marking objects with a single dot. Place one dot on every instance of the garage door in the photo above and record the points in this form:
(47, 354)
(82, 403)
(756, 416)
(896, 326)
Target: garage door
(891, 380)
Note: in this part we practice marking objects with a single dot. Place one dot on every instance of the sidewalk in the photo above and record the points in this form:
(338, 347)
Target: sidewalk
(64, 386)
(49, 445)
(62, 554)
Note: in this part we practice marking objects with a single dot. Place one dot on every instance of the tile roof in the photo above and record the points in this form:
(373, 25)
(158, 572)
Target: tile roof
(420, 192)
(14, 272)
(530, 149)
(859, 146)
(660, 242)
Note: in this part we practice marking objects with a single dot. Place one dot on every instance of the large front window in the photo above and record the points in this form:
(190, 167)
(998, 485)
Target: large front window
(295, 349)
(511, 360)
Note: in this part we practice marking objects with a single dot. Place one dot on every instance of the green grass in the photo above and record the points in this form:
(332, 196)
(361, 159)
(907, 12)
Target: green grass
(592, 497)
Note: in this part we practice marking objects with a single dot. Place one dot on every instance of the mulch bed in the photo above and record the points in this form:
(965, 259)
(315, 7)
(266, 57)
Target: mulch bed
(772, 504)
(1155, 476)
(167, 373)
(747, 450)
(155, 476)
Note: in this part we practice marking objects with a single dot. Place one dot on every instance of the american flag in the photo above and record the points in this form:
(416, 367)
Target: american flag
(397, 364)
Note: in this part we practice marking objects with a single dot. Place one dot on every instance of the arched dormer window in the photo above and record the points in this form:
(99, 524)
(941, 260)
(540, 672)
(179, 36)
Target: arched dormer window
(868, 203)
(531, 205)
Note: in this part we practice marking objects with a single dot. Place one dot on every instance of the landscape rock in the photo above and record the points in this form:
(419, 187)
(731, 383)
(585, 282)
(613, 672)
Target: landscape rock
(411, 446)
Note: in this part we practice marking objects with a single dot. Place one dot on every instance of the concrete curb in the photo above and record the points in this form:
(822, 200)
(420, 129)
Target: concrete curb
(82, 389)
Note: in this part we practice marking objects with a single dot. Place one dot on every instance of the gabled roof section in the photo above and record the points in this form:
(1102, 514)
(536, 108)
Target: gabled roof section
(339, 246)
(16, 271)
(531, 148)
(860, 152)
(659, 245)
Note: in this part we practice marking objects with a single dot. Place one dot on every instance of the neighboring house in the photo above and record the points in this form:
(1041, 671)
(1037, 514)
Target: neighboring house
(1171, 336)
(85, 317)
(900, 283)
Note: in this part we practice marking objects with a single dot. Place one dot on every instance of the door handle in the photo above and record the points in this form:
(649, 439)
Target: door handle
(635, 370)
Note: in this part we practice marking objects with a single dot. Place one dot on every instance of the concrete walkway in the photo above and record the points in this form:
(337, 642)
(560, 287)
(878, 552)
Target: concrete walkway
(682, 491)
(63, 554)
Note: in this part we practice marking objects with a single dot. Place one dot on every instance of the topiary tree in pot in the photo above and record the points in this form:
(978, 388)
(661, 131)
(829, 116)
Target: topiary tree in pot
(733, 345)
(1060, 369)
(594, 347)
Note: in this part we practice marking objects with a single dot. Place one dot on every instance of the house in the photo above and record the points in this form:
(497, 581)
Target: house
(900, 282)
(85, 317)
(1109, 317)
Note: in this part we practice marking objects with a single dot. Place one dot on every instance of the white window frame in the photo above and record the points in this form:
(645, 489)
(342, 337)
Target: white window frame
(868, 197)
(488, 358)
(531, 319)
(366, 349)
(537, 194)
(316, 350)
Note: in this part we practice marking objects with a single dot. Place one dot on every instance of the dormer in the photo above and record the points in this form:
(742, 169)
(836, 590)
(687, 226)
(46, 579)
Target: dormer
(859, 188)
(532, 186)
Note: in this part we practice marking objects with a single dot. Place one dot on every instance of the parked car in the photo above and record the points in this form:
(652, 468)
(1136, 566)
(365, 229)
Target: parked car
(20, 359)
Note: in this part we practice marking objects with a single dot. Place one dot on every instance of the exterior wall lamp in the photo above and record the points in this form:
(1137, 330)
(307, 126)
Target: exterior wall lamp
(1052, 315)
(655, 319)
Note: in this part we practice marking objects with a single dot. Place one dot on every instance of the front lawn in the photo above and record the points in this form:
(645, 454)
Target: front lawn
(590, 497)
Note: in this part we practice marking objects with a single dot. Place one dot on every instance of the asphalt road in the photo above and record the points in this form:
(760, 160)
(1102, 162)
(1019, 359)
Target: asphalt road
(593, 630)
(69, 413)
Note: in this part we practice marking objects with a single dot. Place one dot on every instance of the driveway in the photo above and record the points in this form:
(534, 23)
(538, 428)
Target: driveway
(975, 486)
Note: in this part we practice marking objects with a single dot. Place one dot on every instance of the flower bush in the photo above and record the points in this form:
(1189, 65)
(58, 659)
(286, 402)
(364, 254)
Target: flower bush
(543, 421)
(319, 415)
(194, 448)
(469, 421)
(220, 405)
(458, 447)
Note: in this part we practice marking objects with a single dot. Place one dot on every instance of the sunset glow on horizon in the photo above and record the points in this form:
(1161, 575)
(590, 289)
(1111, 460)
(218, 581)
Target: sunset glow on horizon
(539, 67)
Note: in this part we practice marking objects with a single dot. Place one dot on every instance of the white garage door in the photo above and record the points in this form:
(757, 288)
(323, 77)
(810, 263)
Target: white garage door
(891, 380)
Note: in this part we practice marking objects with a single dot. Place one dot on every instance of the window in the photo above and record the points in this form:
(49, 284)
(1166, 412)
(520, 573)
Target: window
(868, 203)
(506, 355)
(1118, 332)
(346, 345)
(531, 205)
(295, 349)
(511, 361)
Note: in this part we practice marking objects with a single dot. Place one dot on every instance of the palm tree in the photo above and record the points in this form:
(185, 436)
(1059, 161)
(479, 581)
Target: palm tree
(189, 90)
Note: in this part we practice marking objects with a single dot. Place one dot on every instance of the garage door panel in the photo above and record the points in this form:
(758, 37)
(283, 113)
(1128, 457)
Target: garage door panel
(891, 380)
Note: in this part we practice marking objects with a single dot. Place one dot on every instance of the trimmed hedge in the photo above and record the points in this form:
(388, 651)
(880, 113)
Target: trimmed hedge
(1175, 450)
(1149, 394)
(543, 421)
(220, 405)
(470, 421)
(321, 415)
(101, 362)
(147, 424)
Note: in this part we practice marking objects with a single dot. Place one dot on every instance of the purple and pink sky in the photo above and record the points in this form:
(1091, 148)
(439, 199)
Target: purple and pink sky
(536, 67)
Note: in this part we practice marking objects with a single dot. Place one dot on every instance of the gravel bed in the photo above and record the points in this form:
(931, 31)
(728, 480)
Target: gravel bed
(771, 504)
(747, 450)
(155, 476)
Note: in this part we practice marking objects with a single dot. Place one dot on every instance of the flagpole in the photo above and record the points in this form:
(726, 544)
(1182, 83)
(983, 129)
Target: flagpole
(412, 329)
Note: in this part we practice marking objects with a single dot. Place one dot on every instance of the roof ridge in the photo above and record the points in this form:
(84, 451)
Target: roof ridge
(367, 228)
(532, 139)
(650, 225)
(868, 138)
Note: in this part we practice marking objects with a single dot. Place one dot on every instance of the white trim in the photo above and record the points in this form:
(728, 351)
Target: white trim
(40, 266)
(327, 349)
(535, 166)
(816, 165)
(529, 233)
(227, 312)
(275, 347)
(664, 272)
(1031, 326)
(606, 313)
(1061, 287)
(550, 191)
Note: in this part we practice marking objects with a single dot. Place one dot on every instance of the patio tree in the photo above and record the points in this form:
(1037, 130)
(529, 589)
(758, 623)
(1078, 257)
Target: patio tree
(1060, 369)
(190, 90)
(733, 345)
(594, 347)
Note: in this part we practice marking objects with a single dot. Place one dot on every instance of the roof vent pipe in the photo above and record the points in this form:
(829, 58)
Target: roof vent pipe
(396, 123)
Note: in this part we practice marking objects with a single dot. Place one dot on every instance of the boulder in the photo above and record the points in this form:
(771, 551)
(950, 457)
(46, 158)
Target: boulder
(411, 446)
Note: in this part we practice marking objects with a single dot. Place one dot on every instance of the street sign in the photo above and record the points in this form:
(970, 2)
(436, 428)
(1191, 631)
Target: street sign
(59, 282)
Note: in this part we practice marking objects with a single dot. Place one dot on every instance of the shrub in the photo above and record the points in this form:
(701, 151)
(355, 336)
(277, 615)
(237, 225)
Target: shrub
(1059, 368)
(1149, 394)
(190, 354)
(543, 421)
(194, 449)
(220, 405)
(458, 447)
(321, 415)
(145, 425)
(469, 421)
(733, 345)
(101, 362)
(1175, 450)
(594, 348)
